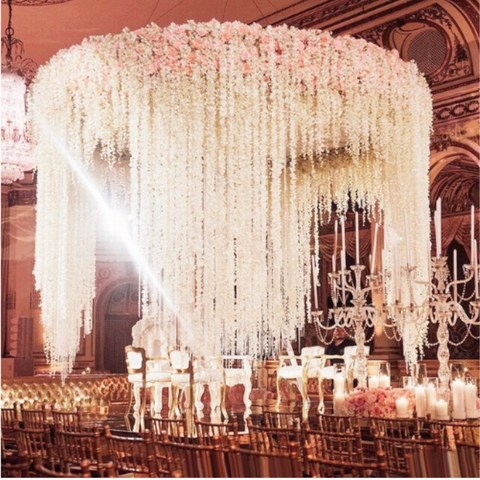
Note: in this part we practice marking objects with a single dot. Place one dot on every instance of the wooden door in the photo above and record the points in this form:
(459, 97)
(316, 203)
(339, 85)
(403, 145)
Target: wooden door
(118, 334)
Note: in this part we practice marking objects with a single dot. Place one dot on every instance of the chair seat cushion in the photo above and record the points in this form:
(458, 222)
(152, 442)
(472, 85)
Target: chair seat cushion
(159, 377)
(180, 378)
(291, 371)
(135, 378)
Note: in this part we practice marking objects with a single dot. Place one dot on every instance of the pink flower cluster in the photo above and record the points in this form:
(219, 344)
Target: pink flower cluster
(376, 402)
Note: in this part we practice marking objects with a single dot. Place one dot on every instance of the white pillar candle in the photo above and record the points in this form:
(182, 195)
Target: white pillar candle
(407, 242)
(421, 400)
(339, 383)
(342, 275)
(441, 410)
(383, 381)
(374, 250)
(455, 275)
(373, 381)
(458, 399)
(357, 241)
(314, 282)
(431, 398)
(335, 239)
(334, 263)
(471, 400)
(401, 405)
(344, 246)
(472, 227)
(438, 227)
(475, 266)
(339, 403)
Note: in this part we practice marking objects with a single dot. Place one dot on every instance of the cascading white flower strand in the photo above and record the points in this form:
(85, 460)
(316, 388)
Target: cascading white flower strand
(236, 135)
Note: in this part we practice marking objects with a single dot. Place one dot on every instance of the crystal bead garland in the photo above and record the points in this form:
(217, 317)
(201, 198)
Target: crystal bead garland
(237, 138)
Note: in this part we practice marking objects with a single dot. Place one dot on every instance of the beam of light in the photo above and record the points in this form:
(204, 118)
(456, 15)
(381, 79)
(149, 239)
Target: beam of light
(120, 224)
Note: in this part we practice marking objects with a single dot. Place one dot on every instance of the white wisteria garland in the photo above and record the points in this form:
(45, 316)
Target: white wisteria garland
(236, 138)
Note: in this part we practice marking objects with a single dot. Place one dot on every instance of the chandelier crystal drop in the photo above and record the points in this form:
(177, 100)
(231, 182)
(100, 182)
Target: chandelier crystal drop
(238, 140)
(17, 155)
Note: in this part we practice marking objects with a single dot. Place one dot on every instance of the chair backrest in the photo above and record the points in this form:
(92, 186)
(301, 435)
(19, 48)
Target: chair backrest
(136, 363)
(176, 429)
(399, 438)
(281, 419)
(467, 441)
(75, 447)
(34, 417)
(397, 427)
(273, 439)
(423, 457)
(340, 454)
(243, 463)
(193, 460)
(207, 369)
(158, 369)
(315, 351)
(208, 431)
(338, 423)
(9, 421)
(132, 454)
(349, 355)
(180, 360)
(67, 420)
(33, 442)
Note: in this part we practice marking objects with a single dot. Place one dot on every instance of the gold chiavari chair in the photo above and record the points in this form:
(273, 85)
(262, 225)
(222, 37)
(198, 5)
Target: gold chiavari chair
(467, 441)
(193, 460)
(207, 431)
(9, 419)
(76, 446)
(340, 454)
(175, 428)
(37, 442)
(132, 455)
(245, 463)
(277, 439)
(271, 439)
(34, 417)
(402, 441)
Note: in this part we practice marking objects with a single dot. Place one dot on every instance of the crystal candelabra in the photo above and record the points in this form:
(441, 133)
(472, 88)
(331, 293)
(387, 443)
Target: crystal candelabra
(444, 301)
(360, 315)
(445, 307)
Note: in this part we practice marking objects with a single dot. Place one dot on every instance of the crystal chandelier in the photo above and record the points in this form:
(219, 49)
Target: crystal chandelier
(16, 73)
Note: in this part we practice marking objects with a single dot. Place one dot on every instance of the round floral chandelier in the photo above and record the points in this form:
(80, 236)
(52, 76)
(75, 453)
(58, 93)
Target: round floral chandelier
(238, 139)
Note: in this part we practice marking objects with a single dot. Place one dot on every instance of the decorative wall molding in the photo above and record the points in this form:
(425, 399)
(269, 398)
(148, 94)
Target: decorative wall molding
(459, 108)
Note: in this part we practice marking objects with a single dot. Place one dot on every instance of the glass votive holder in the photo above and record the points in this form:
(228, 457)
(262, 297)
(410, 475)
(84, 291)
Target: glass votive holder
(431, 386)
(409, 383)
(339, 378)
(441, 404)
(457, 371)
(420, 372)
(384, 374)
(471, 392)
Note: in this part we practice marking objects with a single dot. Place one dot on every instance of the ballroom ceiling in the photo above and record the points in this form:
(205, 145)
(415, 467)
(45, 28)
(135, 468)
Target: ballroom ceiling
(46, 26)
(441, 36)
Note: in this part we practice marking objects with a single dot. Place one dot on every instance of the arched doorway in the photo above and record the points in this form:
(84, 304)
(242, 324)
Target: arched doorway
(120, 316)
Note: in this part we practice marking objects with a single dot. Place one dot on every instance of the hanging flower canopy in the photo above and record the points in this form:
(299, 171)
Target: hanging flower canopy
(236, 139)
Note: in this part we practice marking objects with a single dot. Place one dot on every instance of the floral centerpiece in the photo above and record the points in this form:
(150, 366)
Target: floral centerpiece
(228, 145)
(377, 402)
